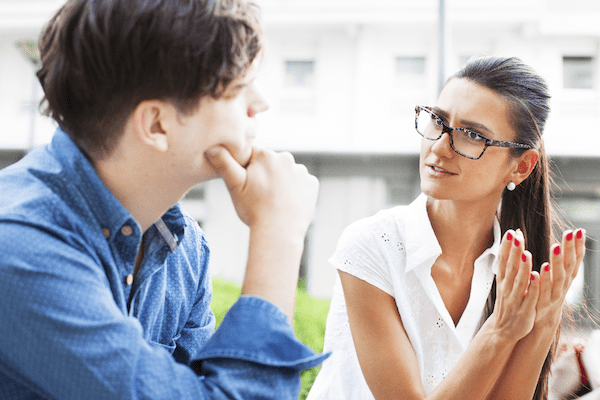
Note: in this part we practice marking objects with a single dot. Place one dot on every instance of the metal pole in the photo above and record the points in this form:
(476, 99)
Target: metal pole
(441, 46)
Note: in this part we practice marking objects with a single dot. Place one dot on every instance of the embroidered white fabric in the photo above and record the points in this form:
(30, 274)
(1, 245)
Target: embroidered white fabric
(394, 251)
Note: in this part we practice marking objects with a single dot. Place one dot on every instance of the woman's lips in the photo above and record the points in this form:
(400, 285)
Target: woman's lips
(437, 171)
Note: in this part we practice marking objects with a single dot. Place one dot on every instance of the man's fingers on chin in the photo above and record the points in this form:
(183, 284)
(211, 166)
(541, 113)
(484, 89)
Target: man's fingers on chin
(226, 166)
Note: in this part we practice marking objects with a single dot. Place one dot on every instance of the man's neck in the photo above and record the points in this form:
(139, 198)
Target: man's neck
(140, 186)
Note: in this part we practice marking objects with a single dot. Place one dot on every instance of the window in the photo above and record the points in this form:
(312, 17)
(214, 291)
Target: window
(578, 72)
(299, 73)
(410, 71)
(410, 87)
(299, 84)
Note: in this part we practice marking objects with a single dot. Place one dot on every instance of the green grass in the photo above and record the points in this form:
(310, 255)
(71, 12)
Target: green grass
(309, 321)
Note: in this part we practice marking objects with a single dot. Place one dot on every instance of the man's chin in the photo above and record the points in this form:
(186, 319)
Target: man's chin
(245, 159)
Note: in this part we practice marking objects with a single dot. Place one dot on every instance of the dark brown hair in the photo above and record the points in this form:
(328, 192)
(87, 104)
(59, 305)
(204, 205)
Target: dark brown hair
(101, 58)
(530, 206)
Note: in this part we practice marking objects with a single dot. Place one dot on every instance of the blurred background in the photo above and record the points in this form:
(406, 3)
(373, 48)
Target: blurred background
(343, 77)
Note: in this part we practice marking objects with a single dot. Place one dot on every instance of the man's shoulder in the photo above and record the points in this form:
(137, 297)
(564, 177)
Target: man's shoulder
(37, 192)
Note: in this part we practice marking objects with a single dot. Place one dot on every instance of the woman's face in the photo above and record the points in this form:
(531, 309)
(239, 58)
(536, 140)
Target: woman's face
(445, 174)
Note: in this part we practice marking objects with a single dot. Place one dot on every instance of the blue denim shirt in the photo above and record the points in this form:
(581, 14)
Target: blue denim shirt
(72, 326)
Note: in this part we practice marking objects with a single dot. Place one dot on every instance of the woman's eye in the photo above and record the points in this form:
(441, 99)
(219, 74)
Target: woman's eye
(437, 122)
(473, 135)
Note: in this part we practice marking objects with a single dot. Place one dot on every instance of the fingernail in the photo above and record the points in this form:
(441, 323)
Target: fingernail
(509, 236)
(557, 250)
(532, 277)
(579, 234)
(524, 257)
(569, 236)
(516, 242)
(547, 267)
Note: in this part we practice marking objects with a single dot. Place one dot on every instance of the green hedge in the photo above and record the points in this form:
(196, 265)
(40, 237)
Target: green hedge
(309, 320)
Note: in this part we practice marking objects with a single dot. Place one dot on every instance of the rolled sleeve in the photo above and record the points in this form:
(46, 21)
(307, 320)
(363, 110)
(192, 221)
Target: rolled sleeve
(255, 330)
(255, 352)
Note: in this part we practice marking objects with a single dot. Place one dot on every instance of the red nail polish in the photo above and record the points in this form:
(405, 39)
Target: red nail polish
(509, 236)
(557, 250)
(524, 257)
(569, 236)
(579, 234)
(516, 242)
(532, 277)
(547, 267)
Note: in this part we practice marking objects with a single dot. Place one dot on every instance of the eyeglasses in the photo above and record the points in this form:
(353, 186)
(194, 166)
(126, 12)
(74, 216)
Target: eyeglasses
(465, 142)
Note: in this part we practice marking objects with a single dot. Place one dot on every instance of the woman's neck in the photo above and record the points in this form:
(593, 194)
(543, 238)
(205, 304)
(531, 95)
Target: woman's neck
(463, 229)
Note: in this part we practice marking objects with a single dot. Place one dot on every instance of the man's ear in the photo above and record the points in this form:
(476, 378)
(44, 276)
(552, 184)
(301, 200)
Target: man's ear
(525, 164)
(151, 119)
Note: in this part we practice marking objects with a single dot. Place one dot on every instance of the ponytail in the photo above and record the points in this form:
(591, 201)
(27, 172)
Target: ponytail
(530, 206)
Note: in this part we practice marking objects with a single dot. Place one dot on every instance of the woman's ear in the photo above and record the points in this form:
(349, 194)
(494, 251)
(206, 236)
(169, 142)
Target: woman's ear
(151, 120)
(525, 165)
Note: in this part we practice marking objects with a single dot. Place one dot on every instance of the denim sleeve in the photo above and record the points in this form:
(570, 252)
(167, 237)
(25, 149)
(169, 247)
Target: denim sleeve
(63, 337)
(255, 353)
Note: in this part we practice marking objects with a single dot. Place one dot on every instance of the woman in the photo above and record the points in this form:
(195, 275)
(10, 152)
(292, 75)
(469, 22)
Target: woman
(440, 299)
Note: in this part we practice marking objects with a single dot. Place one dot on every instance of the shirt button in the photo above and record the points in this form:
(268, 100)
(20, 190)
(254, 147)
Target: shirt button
(126, 230)
(106, 232)
(129, 279)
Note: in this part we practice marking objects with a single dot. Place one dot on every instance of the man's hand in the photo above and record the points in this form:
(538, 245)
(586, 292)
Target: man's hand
(276, 198)
(271, 190)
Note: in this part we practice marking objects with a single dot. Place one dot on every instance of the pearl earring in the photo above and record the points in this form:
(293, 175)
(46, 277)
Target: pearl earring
(511, 186)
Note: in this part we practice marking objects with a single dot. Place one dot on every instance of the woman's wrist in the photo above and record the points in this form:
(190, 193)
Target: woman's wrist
(497, 335)
(543, 332)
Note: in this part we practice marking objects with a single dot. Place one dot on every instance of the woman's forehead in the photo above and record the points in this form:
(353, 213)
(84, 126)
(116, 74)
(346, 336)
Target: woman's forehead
(466, 103)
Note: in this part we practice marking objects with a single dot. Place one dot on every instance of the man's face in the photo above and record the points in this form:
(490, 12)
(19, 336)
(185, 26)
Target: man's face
(228, 121)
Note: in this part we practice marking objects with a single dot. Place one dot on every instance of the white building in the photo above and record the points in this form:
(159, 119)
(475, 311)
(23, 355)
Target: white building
(343, 77)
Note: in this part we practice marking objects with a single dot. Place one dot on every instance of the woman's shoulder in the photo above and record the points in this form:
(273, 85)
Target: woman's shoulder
(388, 221)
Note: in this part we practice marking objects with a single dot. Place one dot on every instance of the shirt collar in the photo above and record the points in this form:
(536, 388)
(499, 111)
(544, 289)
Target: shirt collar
(421, 243)
(109, 213)
(422, 246)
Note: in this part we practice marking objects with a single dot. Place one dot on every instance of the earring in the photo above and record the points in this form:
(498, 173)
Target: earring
(511, 186)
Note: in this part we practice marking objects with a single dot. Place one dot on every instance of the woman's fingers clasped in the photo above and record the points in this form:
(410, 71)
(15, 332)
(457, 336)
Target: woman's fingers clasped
(518, 287)
(565, 259)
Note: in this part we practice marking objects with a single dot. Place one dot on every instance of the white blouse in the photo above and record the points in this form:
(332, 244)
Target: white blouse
(394, 251)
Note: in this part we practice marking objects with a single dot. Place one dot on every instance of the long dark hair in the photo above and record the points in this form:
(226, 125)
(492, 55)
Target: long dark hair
(530, 206)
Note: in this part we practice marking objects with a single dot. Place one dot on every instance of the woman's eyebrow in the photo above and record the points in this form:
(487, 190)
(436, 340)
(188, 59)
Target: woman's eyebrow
(468, 124)
(476, 126)
(440, 112)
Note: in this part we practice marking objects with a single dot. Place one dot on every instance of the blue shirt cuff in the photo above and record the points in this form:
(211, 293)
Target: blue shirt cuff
(256, 330)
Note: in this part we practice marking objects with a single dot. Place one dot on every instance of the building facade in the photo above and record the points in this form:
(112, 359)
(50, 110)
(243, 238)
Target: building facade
(343, 77)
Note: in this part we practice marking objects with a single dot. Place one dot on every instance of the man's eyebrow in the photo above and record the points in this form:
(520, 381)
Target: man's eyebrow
(239, 85)
(242, 82)
(466, 123)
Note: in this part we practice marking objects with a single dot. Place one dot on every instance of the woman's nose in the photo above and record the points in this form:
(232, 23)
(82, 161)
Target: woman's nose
(443, 146)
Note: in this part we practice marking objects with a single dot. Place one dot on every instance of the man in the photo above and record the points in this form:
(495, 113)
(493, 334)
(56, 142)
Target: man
(104, 283)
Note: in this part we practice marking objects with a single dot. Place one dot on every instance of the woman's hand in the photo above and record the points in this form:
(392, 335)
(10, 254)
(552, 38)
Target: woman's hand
(518, 289)
(556, 278)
